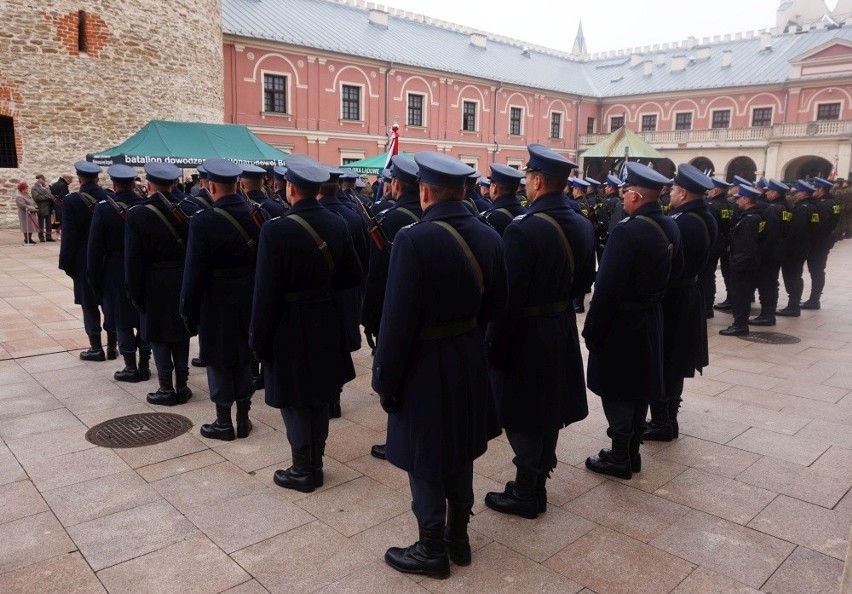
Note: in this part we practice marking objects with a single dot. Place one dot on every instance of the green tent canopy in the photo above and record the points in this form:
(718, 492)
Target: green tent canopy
(372, 165)
(187, 144)
(612, 147)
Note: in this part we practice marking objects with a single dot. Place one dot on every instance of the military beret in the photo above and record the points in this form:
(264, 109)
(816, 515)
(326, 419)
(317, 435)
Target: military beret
(819, 182)
(643, 176)
(222, 171)
(741, 181)
(250, 171)
(279, 171)
(778, 186)
(404, 169)
(303, 172)
(749, 192)
(202, 173)
(86, 169)
(121, 173)
(614, 181)
(691, 179)
(720, 183)
(503, 174)
(548, 161)
(803, 186)
(442, 170)
(164, 174)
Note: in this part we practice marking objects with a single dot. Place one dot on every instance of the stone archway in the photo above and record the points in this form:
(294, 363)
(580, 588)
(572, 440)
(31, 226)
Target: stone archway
(742, 166)
(704, 164)
(807, 166)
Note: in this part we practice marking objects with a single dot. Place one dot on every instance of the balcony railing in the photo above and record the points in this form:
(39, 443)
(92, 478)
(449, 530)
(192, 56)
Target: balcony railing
(799, 130)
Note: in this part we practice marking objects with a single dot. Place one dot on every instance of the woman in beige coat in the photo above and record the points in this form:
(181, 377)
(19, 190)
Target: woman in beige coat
(26, 211)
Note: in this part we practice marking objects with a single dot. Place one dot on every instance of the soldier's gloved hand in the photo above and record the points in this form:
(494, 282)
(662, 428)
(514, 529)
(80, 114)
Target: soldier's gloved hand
(191, 327)
(390, 404)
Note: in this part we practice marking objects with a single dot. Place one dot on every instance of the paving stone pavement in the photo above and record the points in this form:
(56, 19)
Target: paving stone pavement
(754, 496)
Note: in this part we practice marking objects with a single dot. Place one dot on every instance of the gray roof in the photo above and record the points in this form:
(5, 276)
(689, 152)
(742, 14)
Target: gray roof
(411, 40)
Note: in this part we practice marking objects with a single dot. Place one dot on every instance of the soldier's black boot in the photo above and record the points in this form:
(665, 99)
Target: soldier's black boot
(635, 456)
(378, 451)
(724, 306)
(198, 362)
(165, 395)
(243, 422)
(182, 391)
(812, 303)
(541, 491)
(144, 364)
(658, 428)
(300, 476)
(428, 556)
(734, 330)
(674, 407)
(614, 462)
(791, 311)
(222, 428)
(764, 319)
(334, 410)
(112, 341)
(456, 539)
(317, 452)
(95, 352)
(130, 373)
(518, 499)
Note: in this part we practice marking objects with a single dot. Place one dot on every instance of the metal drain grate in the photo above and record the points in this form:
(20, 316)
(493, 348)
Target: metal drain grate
(771, 338)
(134, 431)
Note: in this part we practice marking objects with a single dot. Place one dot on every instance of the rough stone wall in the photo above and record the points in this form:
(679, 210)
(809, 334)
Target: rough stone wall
(143, 60)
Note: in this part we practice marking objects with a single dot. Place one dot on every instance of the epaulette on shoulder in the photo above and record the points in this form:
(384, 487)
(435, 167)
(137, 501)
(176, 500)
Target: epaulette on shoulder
(624, 220)
(409, 226)
(102, 201)
(676, 215)
(276, 218)
(520, 217)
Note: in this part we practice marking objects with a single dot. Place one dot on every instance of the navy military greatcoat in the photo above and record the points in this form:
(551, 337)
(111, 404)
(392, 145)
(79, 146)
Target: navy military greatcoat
(218, 280)
(502, 211)
(106, 260)
(153, 267)
(272, 207)
(446, 414)
(296, 326)
(76, 221)
(624, 323)
(534, 344)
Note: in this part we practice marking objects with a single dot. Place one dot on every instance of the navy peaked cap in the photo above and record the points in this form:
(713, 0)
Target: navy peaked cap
(778, 186)
(578, 182)
(614, 181)
(250, 171)
(119, 172)
(548, 161)
(643, 176)
(803, 186)
(304, 172)
(279, 171)
(741, 181)
(86, 169)
(202, 173)
(442, 170)
(387, 174)
(691, 179)
(223, 171)
(163, 174)
(819, 182)
(503, 174)
(750, 192)
(404, 169)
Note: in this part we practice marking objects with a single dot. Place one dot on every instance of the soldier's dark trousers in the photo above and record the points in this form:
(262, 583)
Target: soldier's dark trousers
(305, 425)
(767, 287)
(229, 383)
(129, 340)
(429, 498)
(817, 261)
(92, 320)
(742, 286)
(791, 270)
(666, 409)
(171, 356)
(535, 453)
(624, 417)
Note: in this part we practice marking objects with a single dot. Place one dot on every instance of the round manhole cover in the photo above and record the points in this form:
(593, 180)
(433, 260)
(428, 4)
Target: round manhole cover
(134, 431)
(771, 338)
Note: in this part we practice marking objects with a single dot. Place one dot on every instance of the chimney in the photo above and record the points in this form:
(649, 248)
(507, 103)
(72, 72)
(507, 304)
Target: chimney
(702, 53)
(636, 59)
(478, 40)
(691, 42)
(661, 58)
(765, 41)
(648, 68)
(727, 58)
(678, 63)
(379, 18)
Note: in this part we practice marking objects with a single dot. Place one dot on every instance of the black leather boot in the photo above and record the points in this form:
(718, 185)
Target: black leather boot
(812, 303)
(130, 373)
(112, 341)
(198, 362)
(674, 407)
(182, 391)
(734, 330)
(763, 319)
(300, 476)
(658, 428)
(518, 499)
(165, 395)
(95, 352)
(428, 556)
(378, 451)
(317, 452)
(614, 462)
(243, 421)
(724, 306)
(635, 456)
(222, 428)
(144, 364)
(456, 539)
(791, 311)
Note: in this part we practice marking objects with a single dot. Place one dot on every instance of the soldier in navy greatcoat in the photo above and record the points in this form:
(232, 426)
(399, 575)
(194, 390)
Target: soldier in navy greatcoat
(387, 199)
(722, 211)
(154, 251)
(216, 295)
(106, 273)
(296, 328)
(448, 281)
(403, 210)
(624, 325)
(251, 183)
(773, 251)
(77, 210)
(503, 194)
(804, 228)
(684, 308)
(745, 259)
(534, 345)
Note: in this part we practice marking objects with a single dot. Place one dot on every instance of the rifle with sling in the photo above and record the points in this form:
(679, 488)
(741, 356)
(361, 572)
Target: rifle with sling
(374, 228)
(120, 209)
(173, 209)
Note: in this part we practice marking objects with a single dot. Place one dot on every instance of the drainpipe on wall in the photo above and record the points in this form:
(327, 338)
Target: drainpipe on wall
(577, 132)
(387, 97)
(494, 122)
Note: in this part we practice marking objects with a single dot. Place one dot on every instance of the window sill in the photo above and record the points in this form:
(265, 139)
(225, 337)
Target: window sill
(469, 132)
(276, 114)
(345, 121)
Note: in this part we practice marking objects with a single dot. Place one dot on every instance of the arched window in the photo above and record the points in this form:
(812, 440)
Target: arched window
(8, 151)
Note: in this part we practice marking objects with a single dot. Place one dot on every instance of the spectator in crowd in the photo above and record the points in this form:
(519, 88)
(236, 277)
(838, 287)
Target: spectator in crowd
(44, 203)
(26, 209)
